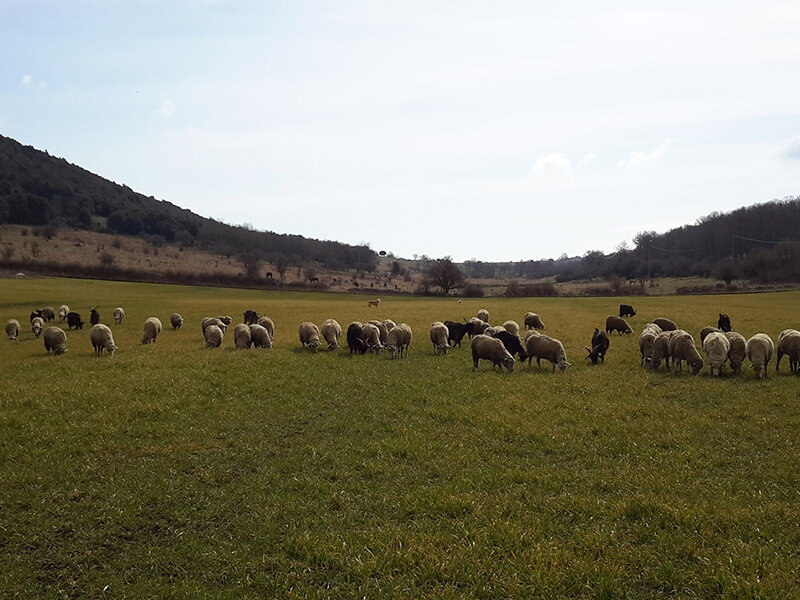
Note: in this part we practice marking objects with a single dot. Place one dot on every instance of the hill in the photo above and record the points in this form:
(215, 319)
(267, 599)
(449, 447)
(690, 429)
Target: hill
(38, 189)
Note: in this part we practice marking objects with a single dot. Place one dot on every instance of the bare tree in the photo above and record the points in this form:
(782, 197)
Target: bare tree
(444, 273)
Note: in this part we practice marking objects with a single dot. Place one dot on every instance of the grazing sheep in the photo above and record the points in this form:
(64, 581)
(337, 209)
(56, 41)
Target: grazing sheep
(226, 320)
(493, 330)
(543, 346)
(36, 326)
(532, 321)
(55, 339)
(483, 315)
(150, 330)
(759, 350)
(456, 332)
(102, 339)
(626, 310)
(682, 348)
(372, 338)
(176, 320)
(491, 349)
(705, 331)
(724, 323)
(309, 335)
(213, 335)
(512, 342)
(251, 317)
(260, 336)
(376, 303)
(736, 353)
(267, 324)
(354, 341)
(12, 329)
(242, 338)
(94, 318)
(394, 342)
(511, 327)
(647, 340)
(600, 344)
(405, 338)
(661, 349)
(389, 324)
(74, 320)
(382, 329)
(789, 344)
(477, 326)
(63, 311)
(208, 321)
(716, 347)
(331, 330)
(528, 334)
(665, 324)
(119, 314)
(615, 323)
(439, 335)
(48, 314)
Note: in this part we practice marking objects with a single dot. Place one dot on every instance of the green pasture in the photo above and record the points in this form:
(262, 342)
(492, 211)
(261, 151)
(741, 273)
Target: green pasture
(172, 471)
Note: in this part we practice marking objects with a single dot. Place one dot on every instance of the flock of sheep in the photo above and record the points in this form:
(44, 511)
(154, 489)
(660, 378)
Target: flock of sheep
(661, 341)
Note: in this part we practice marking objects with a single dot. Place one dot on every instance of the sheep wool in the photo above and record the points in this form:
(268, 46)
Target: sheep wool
(12, 329)
(102, 339)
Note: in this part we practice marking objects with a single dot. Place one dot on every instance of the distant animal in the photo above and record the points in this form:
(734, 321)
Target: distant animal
(439, 337)
(242, 338)
(150, 330)
(309, 335)
(74, 320)
(615, 323)
(119, 314)
(37, 325)
(47, 314)
(63, 311)
(176, 320)
(626, 310)
(724, 322)
(759, 350)
(600, 344)
(213, 335)
(12, 329)
(376, 303)
(55, 340)
(94, 318)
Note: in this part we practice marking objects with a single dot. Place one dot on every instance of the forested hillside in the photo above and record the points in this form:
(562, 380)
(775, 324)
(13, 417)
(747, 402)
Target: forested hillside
(39, 189)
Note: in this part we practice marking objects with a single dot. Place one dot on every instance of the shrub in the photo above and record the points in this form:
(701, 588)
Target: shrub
(473, 290)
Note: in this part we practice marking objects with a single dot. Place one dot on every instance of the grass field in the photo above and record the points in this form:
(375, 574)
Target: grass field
(171, 471)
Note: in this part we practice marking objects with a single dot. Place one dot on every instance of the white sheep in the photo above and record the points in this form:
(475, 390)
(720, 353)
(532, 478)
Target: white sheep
(398, 341)
(661, 350)
(260, 336)
(382, 329)
(716, 347)
(477, 326)
(682, 348)
(55, 339)
(528, 334)
(213, 335)
(227, 320)
(759, 350)
(533, 321)
(176, 320)
(267, 324)
(150, 330)
(491, 349)
(208, 321)
(63, 311)
(331, 330)
(119, 314)
(736, 353)
(789, 344)
(406, 338)
(12, 329)
(241, 336)
(511, 327)
(37, 325)
(483, 315)
(543, 346)
(647, 340)
(389, 324)
(309, 335)
(706, 330)
(372, 337)
(102, 339)
(439, 334)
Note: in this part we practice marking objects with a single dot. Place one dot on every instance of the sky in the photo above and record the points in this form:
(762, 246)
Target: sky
(477, 130)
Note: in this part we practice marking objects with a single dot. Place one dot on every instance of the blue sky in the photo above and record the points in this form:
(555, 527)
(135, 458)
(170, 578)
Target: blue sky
(496, 131)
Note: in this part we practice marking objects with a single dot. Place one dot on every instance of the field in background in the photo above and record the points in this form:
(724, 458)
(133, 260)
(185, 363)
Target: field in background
(174, 471)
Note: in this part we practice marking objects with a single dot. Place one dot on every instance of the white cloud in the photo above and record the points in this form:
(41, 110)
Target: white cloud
(587, 158)
(552, 168)
(167, 109)
(639, 159)
(792, 150)
(26, 80)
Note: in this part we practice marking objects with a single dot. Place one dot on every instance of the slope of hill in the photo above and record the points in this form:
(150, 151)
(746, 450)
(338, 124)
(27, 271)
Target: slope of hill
(38, 189)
